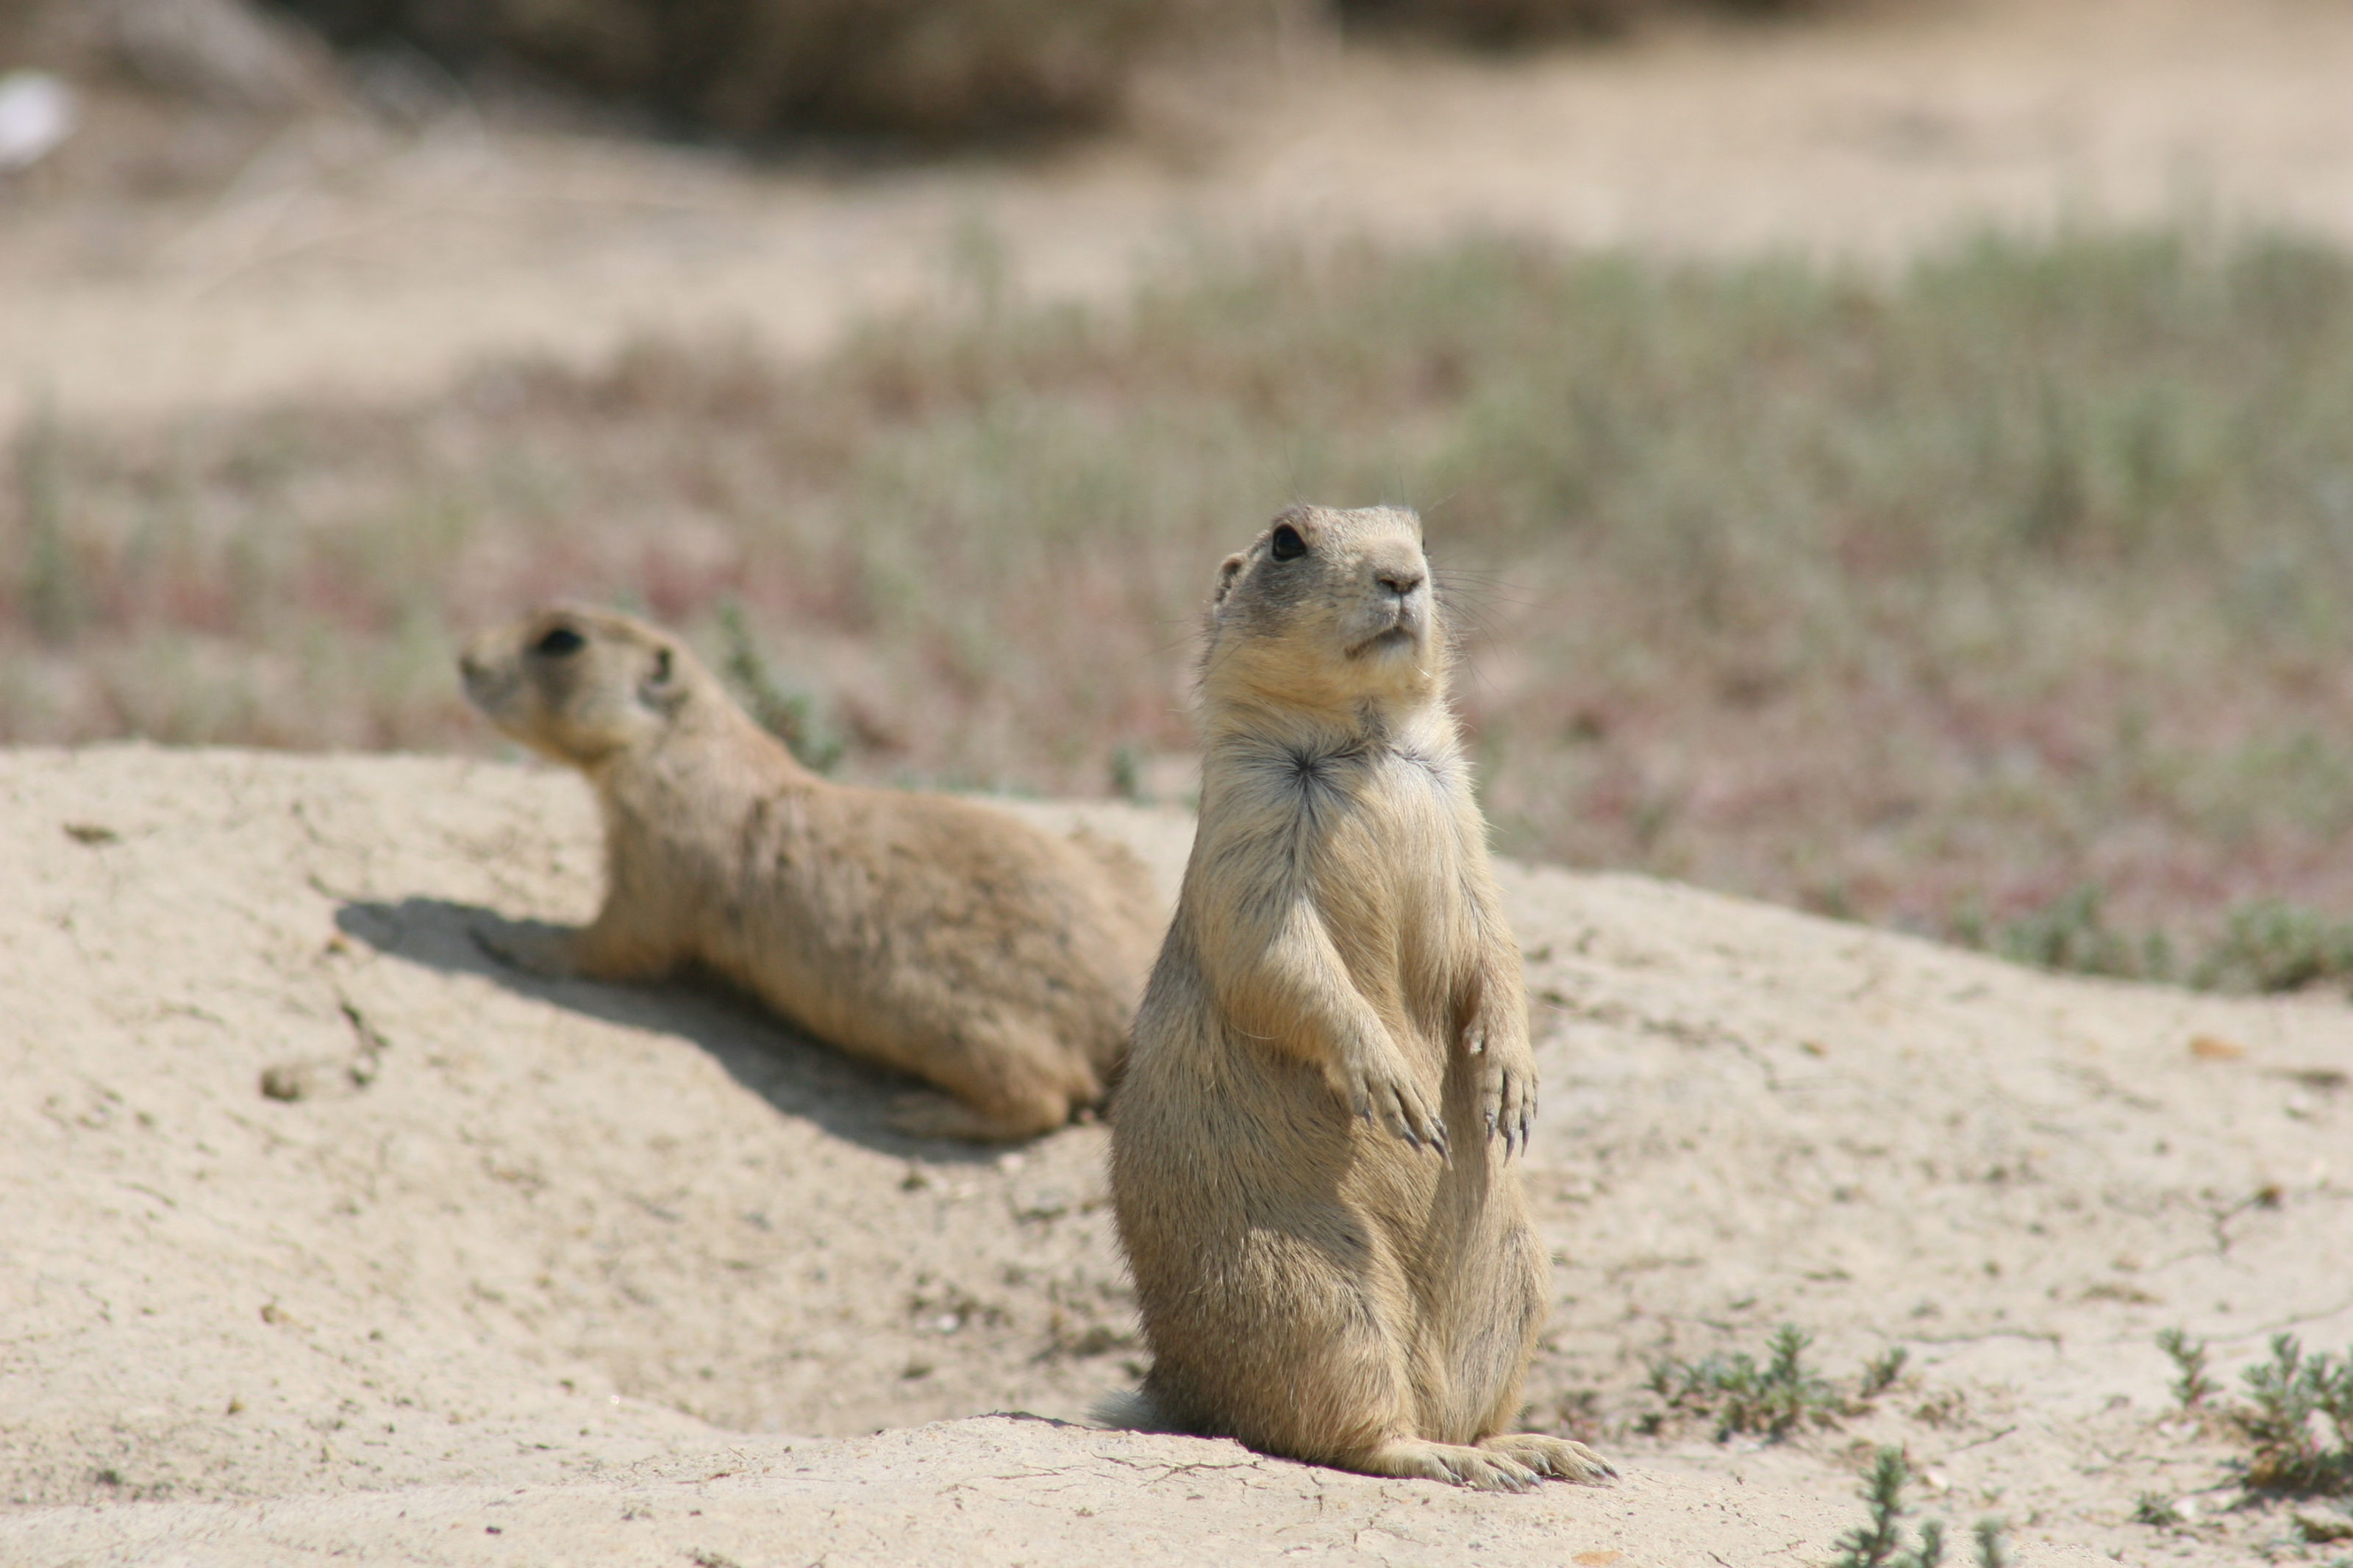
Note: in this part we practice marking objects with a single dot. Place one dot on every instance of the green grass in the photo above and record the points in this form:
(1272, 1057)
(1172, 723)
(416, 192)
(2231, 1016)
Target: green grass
(1902, 596)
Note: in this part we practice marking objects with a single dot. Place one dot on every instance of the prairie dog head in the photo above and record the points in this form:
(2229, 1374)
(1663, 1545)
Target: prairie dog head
(1326, 610)
(584, 685)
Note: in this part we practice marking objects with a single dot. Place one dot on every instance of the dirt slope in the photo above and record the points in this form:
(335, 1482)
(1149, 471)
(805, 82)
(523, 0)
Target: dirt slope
(575, 1250)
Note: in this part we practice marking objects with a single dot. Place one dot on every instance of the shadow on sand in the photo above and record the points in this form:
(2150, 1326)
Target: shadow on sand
(787, 1069)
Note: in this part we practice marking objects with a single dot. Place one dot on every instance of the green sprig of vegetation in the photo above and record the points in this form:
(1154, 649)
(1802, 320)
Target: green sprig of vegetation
(1880, 1542)
(1774, 1399)
(2192, 1387)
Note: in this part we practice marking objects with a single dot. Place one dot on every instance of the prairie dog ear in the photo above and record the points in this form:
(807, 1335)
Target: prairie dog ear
(1226, 573)
(659, 688)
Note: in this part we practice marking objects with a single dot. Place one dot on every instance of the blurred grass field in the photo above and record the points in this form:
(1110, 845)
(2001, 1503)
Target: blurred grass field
(1933, 599)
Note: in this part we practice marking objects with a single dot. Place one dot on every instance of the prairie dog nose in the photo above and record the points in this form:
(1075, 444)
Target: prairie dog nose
(1399, 579)
(478, 664)
(475, 664)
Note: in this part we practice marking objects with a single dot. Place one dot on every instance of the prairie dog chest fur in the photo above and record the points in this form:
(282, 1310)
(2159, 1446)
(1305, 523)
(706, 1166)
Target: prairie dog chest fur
(1369, 825)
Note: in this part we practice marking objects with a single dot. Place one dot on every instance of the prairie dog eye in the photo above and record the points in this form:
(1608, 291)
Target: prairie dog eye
(1286, 544)
(559, 642)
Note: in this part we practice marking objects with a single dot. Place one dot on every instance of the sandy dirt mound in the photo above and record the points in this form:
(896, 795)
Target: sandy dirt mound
(573, 1260)
(987, 1490)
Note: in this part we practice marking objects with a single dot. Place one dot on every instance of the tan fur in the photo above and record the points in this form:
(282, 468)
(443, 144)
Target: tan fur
(927, 933)
(1310, 1151)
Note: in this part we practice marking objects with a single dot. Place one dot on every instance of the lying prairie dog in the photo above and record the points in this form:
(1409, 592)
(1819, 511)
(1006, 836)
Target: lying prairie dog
(925, 932)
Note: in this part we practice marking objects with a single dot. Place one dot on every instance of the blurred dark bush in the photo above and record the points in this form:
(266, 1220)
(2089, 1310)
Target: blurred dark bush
(926, 69)
(934, 70)
(1503, 23)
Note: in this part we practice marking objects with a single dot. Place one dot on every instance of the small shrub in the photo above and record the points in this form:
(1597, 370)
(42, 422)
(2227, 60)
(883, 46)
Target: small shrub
(2298, 1418)
(1880, 1372)
(1773, 1400)
(1880, 1542)
(2273, 946)
(2263, 948)
(2071, 935)
(2290, 1396)
(2156, 1508)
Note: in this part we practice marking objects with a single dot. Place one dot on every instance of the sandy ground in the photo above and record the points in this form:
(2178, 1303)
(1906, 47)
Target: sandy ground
(586, 1273)
(351, 257)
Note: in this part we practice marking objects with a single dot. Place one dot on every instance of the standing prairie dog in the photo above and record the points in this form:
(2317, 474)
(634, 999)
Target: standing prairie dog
(1311, 1147)
(927, 933)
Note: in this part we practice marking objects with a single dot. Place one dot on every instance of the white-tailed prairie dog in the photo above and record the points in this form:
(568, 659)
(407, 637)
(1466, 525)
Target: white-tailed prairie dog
(925, 932)
(1310, 1148)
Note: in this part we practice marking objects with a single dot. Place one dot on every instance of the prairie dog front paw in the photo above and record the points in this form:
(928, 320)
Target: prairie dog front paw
(1377, 1085)
(1507, 1083)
